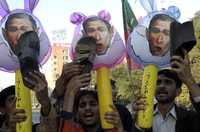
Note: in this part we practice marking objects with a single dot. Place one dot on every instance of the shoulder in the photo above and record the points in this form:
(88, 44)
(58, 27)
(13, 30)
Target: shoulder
(70, 126)
(122, 108)
(183, 113)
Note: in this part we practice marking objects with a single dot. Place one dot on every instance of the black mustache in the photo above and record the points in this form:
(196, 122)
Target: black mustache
(162, 90)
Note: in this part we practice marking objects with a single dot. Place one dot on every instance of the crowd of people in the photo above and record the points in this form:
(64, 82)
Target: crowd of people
(70, 108)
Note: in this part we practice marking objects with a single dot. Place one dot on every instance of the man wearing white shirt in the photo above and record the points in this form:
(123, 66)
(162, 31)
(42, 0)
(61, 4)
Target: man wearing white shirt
(168, 117)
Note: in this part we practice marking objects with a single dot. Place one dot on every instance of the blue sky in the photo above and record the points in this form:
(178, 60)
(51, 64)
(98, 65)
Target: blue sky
(55, 15)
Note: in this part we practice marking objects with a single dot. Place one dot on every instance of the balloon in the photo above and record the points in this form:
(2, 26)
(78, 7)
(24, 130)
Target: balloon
(114, 54)
(149, 5)
(138, 43)
(104, 95)
(23, 95)
(174, 11)
(105, 15)
(148, 89)
(8, 60)
(138, 49)
(77, 18)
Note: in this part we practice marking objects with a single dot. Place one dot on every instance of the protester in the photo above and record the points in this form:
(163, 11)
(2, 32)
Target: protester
(13, 115)
(83, 106)
(124, 113)
(7, 104)
(82, 62)
(167, 115)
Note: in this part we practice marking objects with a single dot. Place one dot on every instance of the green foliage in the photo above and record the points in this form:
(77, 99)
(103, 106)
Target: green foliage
(196, 24)
(195, 53)
(128, 82)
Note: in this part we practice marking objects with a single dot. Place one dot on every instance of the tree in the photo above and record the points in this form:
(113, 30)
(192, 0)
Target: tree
(128, 84)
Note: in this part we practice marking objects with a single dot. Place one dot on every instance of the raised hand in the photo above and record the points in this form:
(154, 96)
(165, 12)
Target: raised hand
(139, 104)
(16, 116)
(114, 118)
(74, 85)
(41, 91)
(182, 67)
(69, 70)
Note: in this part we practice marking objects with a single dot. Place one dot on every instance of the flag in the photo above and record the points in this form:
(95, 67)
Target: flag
(129, 21)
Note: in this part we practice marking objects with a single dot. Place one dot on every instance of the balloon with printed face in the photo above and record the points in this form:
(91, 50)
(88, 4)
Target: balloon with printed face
(13, 25)
(110, 49)
(149, 43)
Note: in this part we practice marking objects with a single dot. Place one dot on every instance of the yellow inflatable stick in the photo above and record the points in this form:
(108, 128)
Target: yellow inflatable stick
(23, 102)
(104, 94)
(145, 118)
(196, 25)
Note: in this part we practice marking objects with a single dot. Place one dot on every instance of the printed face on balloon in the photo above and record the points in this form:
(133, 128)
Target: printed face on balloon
(158, 35)
(102, 32)
(150, 41)
(110, 49)
(16, 25)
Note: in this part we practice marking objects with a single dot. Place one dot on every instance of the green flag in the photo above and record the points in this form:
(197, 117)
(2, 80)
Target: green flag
(129, 21)
(129, 18)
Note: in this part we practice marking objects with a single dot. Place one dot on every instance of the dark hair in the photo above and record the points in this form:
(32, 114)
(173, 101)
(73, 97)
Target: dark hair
(162, 17)
(170, 74)
(5, 93)
(20, 16)
(86, 40)
(85, 56)
(95, 18)
(81, 94)
(34, 127)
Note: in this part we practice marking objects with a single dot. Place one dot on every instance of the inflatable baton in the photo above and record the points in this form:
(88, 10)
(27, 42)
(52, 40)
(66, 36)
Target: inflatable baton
(104, 94)
(145, 117)
(23, 95)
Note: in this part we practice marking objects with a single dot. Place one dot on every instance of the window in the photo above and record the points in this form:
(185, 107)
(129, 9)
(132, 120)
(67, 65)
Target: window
(65, 57)
(57, 75)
